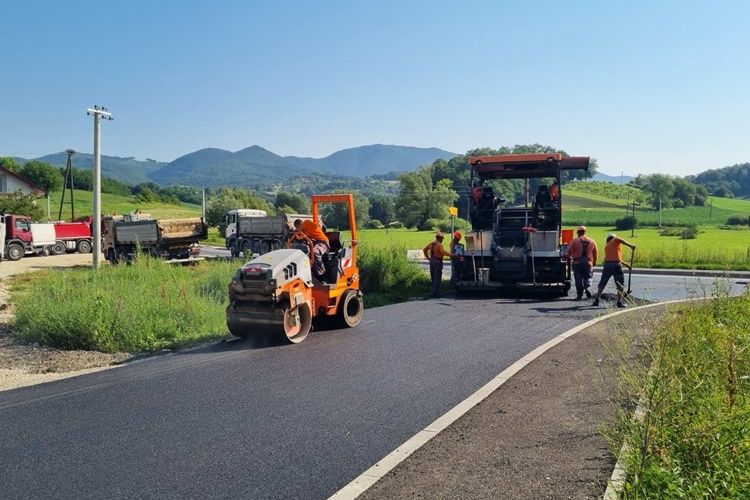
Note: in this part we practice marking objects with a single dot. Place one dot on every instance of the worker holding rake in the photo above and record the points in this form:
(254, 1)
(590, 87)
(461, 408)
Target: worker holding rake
(613, 268)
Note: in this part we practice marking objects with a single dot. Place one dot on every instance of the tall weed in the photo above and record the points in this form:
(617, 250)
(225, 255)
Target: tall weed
(691, 439)
(388, 277)
(149, 305)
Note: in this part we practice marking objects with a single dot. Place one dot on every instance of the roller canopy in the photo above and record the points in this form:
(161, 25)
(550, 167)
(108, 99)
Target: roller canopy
(525, 166)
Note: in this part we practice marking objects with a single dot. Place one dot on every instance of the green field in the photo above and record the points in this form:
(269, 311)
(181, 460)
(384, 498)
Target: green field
(111, 203)
(714, 248)
(591, 209)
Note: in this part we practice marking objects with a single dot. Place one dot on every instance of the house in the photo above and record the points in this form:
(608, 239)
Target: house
(10, 182)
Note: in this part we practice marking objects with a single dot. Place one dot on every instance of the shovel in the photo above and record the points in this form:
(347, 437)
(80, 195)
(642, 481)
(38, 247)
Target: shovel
(630, 273)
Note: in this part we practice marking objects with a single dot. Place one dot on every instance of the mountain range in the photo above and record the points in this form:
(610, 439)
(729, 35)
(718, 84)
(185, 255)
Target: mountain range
(254, 166)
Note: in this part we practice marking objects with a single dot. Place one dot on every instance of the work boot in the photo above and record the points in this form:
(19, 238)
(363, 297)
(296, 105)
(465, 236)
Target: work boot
(579, 297)
(588, 294)
(620, 304)
(596, 302)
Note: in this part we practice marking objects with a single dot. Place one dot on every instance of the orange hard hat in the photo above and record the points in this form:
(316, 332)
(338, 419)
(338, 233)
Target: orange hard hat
(439, 235)
(582, 228)
(457, 235)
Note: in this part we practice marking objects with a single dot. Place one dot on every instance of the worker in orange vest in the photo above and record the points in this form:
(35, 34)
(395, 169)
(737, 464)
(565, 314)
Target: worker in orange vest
(554, 192)
(456, 249)
(435, 252)
(613, 267)
(582, 254)
(321, 245)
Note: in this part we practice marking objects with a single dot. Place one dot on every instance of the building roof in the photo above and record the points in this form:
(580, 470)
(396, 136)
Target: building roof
(33, 186)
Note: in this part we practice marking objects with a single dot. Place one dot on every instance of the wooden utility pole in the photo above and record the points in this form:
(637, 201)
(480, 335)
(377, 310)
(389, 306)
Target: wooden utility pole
(68, 183)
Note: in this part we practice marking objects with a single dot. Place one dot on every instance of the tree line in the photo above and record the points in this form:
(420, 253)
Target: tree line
(417, 199)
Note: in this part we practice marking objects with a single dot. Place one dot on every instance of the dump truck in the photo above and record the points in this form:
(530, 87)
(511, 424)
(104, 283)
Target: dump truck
(252, 232)
(517, 247)
(276, 294)
(23, 237)
(73, 236)
(173, 239)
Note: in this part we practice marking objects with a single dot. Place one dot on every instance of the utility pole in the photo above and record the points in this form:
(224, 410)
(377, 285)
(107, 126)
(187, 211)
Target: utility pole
(659, 211)
(98, 112)
(632, 229)
(627, 204)
(68, 183)
(711, 209)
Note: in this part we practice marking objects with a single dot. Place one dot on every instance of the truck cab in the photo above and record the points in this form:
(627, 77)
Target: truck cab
(230, 219)
(22, 237)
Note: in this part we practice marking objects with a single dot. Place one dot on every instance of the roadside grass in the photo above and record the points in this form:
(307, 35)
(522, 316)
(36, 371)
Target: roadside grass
(214, 238)
(150, 305)
(388, 277)
(691, 436)
(147, 306)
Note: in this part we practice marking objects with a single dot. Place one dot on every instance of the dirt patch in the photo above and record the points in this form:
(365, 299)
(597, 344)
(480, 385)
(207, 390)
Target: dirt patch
(22, 363)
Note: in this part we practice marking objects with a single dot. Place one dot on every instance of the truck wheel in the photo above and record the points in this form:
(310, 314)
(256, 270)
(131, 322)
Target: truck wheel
(83, 246)
(245, 248)
(58, 248)
(112, 256)
(265, 247)
(14, 252)
(351, 308)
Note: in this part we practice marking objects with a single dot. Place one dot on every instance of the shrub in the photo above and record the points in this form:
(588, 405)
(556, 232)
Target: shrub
(387, 276)
(671, 231)
(626, 223)
(396, 225)
(722, 192)
(374, 224)
(689, 233)
(737, 220)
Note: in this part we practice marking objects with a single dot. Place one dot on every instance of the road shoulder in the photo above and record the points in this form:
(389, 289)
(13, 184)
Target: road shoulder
(537, 436)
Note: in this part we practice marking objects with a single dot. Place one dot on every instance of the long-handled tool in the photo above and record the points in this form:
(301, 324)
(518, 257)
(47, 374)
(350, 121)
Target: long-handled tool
(630, 272)
(531, 231)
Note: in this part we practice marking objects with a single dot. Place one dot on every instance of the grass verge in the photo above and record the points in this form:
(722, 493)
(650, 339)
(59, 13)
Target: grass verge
(388, 277)
(143, 307)
(692, 438)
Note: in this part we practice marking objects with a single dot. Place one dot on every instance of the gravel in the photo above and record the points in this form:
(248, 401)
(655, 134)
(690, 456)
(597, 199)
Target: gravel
(23, 363)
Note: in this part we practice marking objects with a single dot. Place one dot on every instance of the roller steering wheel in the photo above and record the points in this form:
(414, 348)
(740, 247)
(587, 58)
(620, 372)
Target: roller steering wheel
(300, 236)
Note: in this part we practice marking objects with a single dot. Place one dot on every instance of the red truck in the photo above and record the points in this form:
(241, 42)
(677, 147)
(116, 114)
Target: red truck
(22, 237)
(73, 236)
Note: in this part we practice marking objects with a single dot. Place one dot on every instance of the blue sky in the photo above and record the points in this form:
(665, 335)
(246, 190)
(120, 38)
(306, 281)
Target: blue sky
(643, 87)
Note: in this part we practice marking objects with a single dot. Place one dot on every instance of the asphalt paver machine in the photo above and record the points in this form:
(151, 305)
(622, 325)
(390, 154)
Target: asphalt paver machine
(276, 295)
(517, 247)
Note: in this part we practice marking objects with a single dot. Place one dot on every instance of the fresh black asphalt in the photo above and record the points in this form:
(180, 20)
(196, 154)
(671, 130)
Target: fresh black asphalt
(297, 421)
(280, 422)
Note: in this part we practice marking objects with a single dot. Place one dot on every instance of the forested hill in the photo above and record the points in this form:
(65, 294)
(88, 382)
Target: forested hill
(377, 159)
(255, 166)
(727, 181)
(127, 170)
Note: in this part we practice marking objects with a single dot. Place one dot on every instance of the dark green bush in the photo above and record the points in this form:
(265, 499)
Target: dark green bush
(689, 233)
(626, 223)
(737, 220)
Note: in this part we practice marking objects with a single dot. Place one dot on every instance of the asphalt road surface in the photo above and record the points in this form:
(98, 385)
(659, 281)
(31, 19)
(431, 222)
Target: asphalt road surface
(301, 421)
